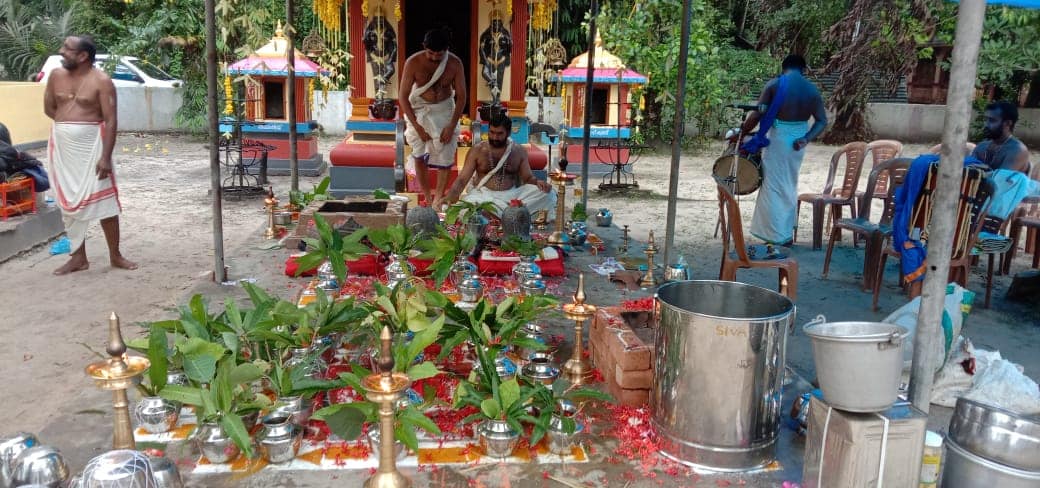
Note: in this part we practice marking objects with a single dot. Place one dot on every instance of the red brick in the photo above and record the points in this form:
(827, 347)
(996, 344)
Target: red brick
(630, 397)
(628, 351)
(601, 322)
(634, 379)
(605, 367)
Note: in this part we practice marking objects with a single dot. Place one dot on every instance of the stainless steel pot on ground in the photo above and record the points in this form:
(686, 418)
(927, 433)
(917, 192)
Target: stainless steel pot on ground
(962, 469)
(715, 397)
(996, 434)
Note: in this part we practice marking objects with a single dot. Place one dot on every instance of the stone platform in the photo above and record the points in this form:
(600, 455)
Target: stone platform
(22, 232)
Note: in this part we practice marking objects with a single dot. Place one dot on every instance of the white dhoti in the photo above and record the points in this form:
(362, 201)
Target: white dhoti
(73, 151)
(533, 197)
(776, 207)
(433, 117)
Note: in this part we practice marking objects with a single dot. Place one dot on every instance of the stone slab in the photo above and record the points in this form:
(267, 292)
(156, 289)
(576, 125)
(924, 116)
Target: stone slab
(358, 210)
(23, 232)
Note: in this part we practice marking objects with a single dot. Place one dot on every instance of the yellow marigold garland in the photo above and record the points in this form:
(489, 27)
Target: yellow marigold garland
(229, 107)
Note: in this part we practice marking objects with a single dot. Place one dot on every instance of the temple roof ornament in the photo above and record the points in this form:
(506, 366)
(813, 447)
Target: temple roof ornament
(604, 59)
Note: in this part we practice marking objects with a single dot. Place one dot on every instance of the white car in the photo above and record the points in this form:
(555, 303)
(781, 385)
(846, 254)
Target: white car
(128, 71)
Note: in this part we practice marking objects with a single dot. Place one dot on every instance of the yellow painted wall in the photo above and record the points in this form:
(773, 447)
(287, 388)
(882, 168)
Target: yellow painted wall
(22, 111)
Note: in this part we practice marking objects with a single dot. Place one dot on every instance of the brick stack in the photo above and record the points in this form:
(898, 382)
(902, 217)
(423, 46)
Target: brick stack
(622, 347)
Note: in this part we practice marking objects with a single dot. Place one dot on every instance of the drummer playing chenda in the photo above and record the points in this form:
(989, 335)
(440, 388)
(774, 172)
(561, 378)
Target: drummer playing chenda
(784, 108)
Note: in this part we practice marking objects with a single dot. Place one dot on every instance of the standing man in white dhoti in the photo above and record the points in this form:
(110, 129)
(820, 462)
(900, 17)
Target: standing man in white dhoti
(82, 102)
(501, 172)
(784, 109)
(432, 97)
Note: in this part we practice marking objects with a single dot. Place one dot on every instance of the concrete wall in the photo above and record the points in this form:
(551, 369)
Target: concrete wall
(331, 110)
(22, 113)
(552, 110)
(148, 109)
(908, 122)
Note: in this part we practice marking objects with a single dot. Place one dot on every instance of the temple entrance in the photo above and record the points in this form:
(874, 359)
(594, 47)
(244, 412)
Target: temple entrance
(423, 15)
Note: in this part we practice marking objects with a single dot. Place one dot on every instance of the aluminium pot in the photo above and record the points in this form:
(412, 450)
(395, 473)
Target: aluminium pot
(996, 434)
(859, 364)
(962, 469)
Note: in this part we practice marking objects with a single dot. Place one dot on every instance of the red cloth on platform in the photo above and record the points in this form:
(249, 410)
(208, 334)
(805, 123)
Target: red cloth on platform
(549, 267)
(368, 265)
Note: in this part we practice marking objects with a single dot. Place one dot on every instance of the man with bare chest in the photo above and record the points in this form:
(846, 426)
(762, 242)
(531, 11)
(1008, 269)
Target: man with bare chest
(82, 102)
(433, 90)
(501, 172)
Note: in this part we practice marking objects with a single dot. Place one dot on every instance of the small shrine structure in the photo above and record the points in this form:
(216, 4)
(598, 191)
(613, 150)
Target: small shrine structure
(266, 117)
(609, 113)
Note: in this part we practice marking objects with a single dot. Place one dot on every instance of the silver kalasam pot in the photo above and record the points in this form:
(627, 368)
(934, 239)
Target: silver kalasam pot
(157, 414)
(279, 438)
(718, 373)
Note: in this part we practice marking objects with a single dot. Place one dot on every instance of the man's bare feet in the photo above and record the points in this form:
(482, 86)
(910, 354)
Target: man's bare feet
(121, 262)
(71, 266)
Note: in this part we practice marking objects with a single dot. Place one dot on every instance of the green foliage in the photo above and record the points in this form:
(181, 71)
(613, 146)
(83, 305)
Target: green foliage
(347, 419)
(578, 213)
(332, 247)
(300, 198)
(463, 211)
(158, 356)
(227, 396)
(286, 382)
(647, 36)
(444, 249)
(523, 247)
(396, 239)
(29, 33)
(1010, 49)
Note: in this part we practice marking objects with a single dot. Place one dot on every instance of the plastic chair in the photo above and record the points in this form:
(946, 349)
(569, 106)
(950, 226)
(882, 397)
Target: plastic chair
(854, 154)
(733, 230)
(1027, 217)
(971, 206)
(874, 233)
(880, 151)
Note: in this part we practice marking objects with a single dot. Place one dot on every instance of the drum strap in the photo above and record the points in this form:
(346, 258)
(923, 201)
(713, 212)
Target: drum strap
(760, 140)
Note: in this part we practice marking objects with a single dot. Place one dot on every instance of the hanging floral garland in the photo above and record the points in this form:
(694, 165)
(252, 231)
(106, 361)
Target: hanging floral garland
(541, 19)
(330, 13)
(229, 107)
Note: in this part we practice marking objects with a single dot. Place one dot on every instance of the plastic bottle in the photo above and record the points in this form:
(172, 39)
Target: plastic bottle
(931, 461)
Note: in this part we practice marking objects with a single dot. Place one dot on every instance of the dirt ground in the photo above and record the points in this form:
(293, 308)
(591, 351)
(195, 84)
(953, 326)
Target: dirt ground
(48, 321)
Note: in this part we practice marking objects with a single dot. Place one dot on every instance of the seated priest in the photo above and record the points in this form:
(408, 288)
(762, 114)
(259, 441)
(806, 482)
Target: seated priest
(500, 172)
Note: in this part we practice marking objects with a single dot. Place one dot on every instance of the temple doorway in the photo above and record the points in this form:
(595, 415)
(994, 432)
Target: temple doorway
(423, 15)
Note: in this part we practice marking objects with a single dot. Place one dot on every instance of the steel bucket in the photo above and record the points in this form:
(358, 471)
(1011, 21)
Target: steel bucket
(859, 364)
(718, 373)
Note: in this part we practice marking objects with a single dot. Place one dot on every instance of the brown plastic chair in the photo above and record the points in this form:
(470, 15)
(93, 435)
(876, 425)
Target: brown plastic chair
(968, 148)
(1026, 216)
(733, 231)
(880, 151)
(873, 232)
(997, 226)
(854, 154)
(971, 206)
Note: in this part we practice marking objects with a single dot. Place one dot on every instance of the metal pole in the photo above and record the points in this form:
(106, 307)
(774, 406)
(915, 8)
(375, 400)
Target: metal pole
(219, 272)
(928, 342)
(677, 133)
(290, 52)
(589, 72)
